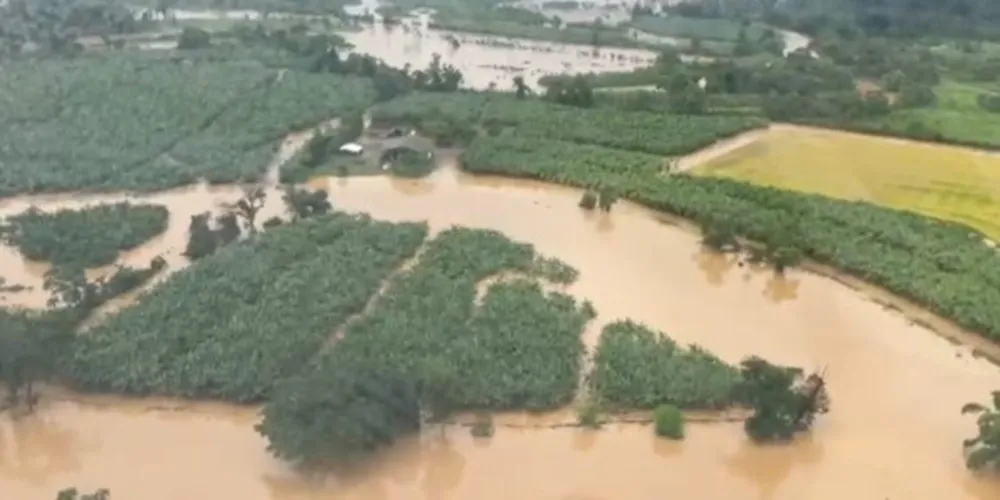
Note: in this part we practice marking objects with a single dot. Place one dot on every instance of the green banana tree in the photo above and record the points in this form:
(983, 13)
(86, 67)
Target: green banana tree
(983, 451)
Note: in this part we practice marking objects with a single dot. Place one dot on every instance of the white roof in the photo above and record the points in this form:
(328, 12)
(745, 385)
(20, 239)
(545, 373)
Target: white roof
(352, 147)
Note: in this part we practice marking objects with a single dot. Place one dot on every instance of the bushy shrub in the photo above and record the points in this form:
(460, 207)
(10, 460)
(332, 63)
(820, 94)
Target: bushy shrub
(668, 422)
(483, 427)
(589, 415)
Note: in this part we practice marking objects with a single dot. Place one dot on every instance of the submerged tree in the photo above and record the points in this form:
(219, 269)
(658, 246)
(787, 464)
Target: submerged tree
(342, 412)
(783, 402)
(606, 198)
(73, 494)
(249, 206)
(983, 451)
(204, 240)
(589, 200)
(30, 344)
(521, 89)
(304, 204)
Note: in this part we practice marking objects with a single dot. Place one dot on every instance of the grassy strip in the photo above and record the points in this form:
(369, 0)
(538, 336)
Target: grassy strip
(89, 237)
(548, 158)
(234, 323)
(519, 349)
(634, 131)
(637, 368)
(695, 27)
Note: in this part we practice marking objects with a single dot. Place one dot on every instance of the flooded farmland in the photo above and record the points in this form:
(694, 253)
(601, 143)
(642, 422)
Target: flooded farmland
(895, 430)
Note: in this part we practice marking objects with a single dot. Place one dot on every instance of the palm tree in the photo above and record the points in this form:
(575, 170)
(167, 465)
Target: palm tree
(983, 451)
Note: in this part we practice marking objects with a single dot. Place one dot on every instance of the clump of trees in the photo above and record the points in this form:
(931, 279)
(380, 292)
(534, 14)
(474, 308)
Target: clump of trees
(783, 402)
(304, 204)
(350, 411)
(33, 343)
(989, 101)
(603, 197)
(193, 38)
(572, 91)
(983, 451)
(204, 239)
(780, 251)
(88, 237)
(248, 207)
(30, 343)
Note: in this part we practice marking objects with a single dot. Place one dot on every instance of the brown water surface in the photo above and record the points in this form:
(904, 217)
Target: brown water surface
(895, 430)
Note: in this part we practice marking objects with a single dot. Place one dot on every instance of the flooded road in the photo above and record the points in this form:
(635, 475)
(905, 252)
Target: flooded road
(895, 430)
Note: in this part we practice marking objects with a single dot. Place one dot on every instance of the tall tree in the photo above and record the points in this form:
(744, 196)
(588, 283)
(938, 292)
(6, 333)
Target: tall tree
(521, 89)
(249, 206)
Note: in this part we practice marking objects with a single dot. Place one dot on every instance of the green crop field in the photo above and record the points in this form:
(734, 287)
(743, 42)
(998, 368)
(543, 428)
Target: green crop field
(143, 123)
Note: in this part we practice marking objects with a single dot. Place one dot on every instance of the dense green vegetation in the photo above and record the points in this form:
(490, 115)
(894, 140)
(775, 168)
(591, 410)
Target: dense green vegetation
(33, 342)
(430, 320)
(516, 347)
(783, 402)
(88, 237)
(637, 368)
(141, 122)
(231, 326)
(29, 345)
(643, 132)
(983, 451)
(53, 27)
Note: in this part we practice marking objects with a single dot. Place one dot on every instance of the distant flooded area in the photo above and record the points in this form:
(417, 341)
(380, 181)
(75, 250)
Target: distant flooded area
(487, 61)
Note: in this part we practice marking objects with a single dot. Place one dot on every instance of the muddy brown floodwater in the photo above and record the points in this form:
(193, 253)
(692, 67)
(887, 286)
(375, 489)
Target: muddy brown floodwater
(894, 432)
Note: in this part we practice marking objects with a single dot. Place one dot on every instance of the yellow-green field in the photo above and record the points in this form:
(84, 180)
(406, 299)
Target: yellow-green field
(941, 181)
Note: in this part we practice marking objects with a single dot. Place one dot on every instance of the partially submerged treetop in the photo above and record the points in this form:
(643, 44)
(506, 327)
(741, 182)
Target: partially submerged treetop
(983, 451)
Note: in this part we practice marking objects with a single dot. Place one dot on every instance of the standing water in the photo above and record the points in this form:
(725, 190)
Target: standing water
(895, 430)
